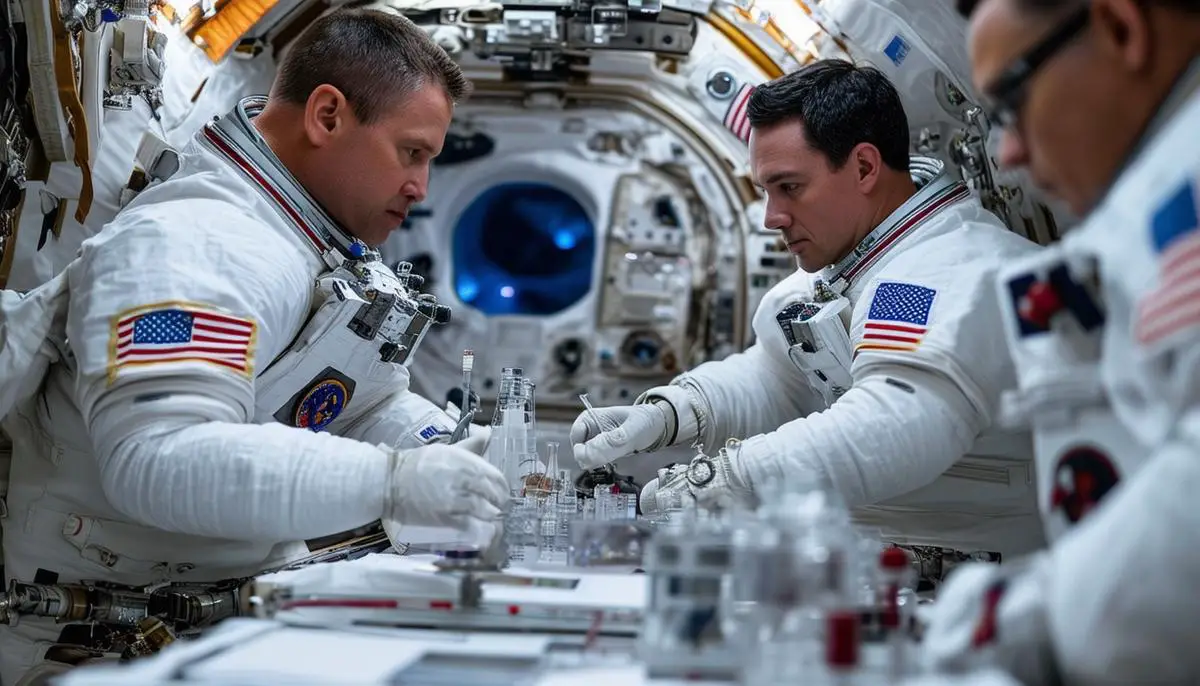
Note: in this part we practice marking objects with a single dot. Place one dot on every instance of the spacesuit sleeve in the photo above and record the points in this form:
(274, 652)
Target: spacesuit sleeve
(896, 430)
(929, 364)
(168, 321)
(404, 420)
(756, 390)
(747, 393)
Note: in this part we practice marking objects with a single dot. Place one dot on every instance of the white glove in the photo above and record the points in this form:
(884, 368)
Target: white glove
(992, 615)
(442, 485)
(639, 428)
(705, 481)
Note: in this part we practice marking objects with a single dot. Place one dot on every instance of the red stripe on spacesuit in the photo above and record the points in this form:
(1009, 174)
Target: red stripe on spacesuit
(898, 339)
(956, 192)
(266, 186)
(126, 326)
(896, 327)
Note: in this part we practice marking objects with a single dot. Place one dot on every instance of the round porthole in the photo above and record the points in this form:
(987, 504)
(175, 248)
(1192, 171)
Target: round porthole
(523, 249)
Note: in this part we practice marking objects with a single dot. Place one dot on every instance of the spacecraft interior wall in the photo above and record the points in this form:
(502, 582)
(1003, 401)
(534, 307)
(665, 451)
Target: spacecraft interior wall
(921, 48)
(571, 250)
(193, 90)
(651, 150)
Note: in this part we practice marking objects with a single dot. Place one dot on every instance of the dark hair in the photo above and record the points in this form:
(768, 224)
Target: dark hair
(374, 58)
(967, 7)
(840, 105)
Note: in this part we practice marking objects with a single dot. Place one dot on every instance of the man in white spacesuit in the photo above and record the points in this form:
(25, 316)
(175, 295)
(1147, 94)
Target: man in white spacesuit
(1101, 102)
(876, 369)
(231, 374)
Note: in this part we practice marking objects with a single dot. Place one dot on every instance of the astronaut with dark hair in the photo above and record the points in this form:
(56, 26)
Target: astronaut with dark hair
(877, 366)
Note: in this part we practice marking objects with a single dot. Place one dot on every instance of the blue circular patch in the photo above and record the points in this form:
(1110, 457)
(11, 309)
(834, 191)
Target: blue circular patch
(320, 405)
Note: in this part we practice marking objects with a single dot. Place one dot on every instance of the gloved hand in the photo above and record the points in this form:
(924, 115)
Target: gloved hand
(639, 428)
(442, 485)
(704, 481)
(993, 615)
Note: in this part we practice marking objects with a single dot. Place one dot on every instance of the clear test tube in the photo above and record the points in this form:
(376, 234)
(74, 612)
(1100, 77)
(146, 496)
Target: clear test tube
(567, 507)
(552, 459)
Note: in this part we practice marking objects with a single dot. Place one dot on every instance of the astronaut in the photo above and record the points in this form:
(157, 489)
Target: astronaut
(1101, 102)
(231, 373)
(877, 368)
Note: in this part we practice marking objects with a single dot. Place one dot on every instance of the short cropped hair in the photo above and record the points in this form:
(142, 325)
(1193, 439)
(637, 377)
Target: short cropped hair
(840, 105)
(374, 58)
(967, 7)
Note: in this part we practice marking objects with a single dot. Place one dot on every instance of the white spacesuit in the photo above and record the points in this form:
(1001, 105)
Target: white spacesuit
(167, 444)
(899, 380)
(1115, 309)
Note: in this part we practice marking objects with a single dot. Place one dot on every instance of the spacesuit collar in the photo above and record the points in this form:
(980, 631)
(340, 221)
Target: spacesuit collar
(235, 138)
(935, 190)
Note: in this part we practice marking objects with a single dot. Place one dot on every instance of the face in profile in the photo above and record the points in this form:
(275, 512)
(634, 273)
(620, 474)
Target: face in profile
(372, 174)
(1054, 118)
(817, 208)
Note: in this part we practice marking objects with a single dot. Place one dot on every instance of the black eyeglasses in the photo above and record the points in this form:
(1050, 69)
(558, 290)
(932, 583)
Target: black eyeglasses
(1007, 93)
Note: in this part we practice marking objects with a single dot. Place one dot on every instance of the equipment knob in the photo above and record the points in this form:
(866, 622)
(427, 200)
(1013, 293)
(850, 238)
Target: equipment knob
(441, 314)
(438, 314)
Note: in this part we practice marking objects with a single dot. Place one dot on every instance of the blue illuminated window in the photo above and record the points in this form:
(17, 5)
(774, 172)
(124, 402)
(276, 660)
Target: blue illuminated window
(523, 248)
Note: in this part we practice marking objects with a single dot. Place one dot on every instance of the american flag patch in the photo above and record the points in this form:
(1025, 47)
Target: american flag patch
(1175, 304)
(898, 318)
(737, 118)
(164, 334)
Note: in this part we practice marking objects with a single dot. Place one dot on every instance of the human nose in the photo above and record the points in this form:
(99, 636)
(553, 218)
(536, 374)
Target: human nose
(775, 218)
(417, 187)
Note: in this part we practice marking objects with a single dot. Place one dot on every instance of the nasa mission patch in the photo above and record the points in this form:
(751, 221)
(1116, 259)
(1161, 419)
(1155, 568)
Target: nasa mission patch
(319, 403)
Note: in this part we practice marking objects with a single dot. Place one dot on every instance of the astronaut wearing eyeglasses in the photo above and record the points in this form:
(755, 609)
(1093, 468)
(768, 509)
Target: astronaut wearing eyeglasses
(1100, 102)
